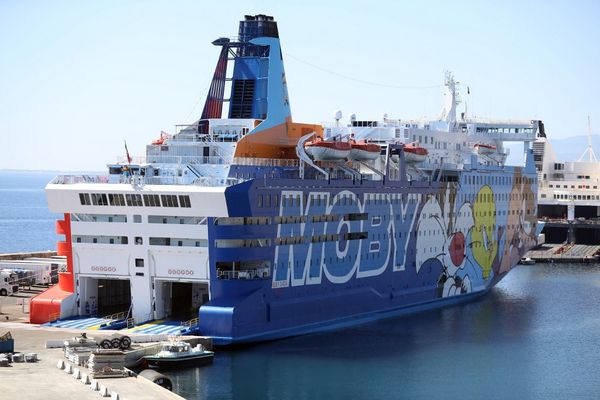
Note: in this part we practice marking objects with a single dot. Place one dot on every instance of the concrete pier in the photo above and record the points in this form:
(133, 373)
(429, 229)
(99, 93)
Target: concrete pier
(565, 253)
(44, 379)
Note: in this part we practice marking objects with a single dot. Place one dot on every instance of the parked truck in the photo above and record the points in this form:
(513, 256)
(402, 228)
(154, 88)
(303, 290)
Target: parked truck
(42, 273)
(8, 284)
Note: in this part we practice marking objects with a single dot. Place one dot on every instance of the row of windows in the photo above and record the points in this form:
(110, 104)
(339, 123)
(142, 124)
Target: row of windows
(497, 180)
(154, 241)
(153, 219)
(575, 197)
(134, 200)
(320, 238)
(241, 243)
(573, 186)
(318, 200)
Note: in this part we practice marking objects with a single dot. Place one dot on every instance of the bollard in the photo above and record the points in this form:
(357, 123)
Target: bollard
(85, 378)
(60, 364)
(69, 369)
(114, 396)
(77, 373)
(104, 391)
(94, 385)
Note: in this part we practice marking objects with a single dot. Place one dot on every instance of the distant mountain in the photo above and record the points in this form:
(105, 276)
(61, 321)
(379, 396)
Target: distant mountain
(566, 149)
(571, 148)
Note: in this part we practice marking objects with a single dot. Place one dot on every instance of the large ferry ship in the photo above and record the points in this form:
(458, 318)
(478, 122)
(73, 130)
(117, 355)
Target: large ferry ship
(262, 227)
(569, 194)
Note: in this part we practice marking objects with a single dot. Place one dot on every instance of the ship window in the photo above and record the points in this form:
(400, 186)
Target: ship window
(139, 262)
(184, 201)
(356, 217)
(99, 199)
(84, 198)
(260, 200)
(139, 240)
(134, 200)
(169, 200)
(151, 200)
(116, 199)
(355, 235)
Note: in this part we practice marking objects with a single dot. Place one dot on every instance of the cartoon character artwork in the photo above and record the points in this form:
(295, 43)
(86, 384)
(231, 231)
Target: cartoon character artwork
(442, 233)
(484, 236)
(520, 233)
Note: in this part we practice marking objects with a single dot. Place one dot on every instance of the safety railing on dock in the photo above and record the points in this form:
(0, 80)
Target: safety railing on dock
(116, 316)
(191, 323)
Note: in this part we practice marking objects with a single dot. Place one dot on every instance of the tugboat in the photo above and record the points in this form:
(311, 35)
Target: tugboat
(176, 354)
(328, 150)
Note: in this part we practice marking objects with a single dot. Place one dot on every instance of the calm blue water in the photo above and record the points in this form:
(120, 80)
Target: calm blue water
(25, 222)
(535, 336)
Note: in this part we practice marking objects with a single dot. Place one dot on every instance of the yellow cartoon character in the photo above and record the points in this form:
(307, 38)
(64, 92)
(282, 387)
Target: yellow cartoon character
(485, 245)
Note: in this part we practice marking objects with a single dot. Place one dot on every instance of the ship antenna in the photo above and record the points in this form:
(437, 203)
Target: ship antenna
(590, 149)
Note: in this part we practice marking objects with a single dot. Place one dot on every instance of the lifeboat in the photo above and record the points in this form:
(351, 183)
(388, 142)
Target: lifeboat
(364, 151)
(161, 139)
(327, 150)
(484, 148)
(415, 154)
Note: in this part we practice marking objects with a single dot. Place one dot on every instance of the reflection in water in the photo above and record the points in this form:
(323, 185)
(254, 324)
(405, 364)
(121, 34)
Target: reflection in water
(534, 336)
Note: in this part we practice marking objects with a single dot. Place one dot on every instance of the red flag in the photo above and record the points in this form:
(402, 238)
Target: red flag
(127, 152)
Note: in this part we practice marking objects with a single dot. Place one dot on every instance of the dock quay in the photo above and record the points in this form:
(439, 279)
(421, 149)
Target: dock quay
(43, 379)
(565, 253)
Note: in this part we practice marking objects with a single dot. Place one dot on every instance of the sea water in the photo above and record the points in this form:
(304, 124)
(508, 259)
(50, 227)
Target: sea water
(536, 335)
(26, 224)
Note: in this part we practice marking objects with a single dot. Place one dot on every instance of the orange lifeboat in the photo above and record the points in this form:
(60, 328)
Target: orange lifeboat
(364, 151)
(161, 139)
(484, 148)
(327, 150)
(415, 154)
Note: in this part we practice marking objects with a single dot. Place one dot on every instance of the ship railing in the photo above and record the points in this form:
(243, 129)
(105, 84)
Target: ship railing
(216, 182)
(255, 273)
(72, 179)
(156, 159)
(130, 323)
(266, 162)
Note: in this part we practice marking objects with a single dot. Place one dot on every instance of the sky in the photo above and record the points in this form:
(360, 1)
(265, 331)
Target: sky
(78, 78)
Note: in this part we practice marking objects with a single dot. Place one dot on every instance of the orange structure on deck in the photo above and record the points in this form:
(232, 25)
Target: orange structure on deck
(46, 306)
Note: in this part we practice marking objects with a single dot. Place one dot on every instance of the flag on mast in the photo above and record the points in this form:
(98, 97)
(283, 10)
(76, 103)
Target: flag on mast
(127, 153)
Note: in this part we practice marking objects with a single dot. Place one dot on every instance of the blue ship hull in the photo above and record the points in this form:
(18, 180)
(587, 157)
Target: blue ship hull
(319, 255)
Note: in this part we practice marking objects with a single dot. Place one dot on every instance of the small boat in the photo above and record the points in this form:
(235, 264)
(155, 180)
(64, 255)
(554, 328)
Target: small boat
(328, 150)
(415, 154)
(363, 151)
(176, 354)
(484, 148)
(527, 261)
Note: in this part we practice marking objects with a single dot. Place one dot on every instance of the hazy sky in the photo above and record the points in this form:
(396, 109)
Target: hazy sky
(79, 77)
